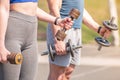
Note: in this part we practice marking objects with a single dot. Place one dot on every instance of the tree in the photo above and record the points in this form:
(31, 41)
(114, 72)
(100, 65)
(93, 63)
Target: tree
(113, 12)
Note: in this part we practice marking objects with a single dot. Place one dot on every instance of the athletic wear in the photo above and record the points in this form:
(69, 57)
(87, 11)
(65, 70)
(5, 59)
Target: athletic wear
(66, 60)
(67, 5)
(21, 1)
(21, 36)
(74, 34)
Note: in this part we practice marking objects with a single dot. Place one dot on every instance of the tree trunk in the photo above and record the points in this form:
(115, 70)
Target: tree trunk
(113, 13)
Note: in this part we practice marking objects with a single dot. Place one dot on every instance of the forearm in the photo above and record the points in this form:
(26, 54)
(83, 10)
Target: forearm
(4, 14)
(43, 16)
(54, 7)
(89, 21)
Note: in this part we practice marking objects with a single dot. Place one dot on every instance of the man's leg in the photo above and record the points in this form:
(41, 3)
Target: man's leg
(69, 70)
(56, 72)
(60, 73)
(62, 67)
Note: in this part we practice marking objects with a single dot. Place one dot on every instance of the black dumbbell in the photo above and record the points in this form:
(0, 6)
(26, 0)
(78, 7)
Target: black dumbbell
(101, 40)
(74, 14)
(15, 58)
(69, 48)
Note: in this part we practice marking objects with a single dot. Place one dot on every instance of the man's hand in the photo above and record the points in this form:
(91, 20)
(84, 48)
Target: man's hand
(60, 47)
(65, 23)
(105, 32)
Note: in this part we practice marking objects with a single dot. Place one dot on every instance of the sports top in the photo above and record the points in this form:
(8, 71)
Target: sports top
(21, 1)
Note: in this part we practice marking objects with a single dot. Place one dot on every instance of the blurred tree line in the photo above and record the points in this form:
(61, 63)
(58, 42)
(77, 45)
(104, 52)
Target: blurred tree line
(99, 10)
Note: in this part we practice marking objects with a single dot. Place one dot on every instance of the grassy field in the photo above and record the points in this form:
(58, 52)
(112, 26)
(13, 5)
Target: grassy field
(97, 8)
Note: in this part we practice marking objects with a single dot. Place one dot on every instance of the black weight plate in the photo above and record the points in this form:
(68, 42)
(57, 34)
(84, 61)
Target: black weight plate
(110, 26)
(51, 53)
(102, 41)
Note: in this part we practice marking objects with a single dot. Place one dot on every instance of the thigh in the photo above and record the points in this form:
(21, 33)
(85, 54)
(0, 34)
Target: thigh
(1, 72)
(56, 72)
(10, 71)
(69, 70)
(75, 36)
(60, 73)
(59, 60)
(30, 62)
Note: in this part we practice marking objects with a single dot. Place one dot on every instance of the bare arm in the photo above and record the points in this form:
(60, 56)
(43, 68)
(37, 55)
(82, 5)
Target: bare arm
(4, 14)
(42, 15)
(89, 21)
(54, 7)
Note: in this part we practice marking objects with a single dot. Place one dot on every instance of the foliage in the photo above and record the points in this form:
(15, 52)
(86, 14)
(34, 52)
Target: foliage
(97, 8)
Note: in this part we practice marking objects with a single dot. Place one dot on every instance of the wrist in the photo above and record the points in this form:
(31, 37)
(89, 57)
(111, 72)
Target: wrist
(99, 29)
(55, 40)
(2, 43)
(2, 46)
(56, 21)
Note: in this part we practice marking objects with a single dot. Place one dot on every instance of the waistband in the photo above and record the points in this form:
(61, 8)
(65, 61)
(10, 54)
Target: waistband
(23, 16)
(21, 1)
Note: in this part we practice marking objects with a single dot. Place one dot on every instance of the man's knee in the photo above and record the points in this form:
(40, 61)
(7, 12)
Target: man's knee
(69, 71)
(57, 72)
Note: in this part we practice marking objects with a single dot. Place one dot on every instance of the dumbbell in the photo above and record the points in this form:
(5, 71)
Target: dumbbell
(101, 40)
(74, 14)
(15, 58)
(69, 48)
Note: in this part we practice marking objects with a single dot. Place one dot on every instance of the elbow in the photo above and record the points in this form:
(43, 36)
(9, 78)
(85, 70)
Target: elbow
(53, 9)
(84, 20)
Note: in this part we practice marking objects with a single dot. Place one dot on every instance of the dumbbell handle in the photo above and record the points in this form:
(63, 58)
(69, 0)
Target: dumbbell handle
(111, 21)
(100, 46)
(15, 58)
(74, 14)
(68, 50)
(77, 47)
(72, 18)
(74, 48)
(60, 35)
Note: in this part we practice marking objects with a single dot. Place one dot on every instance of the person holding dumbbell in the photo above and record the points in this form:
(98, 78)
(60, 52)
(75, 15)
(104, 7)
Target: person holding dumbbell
(18, 34)
(63, 65)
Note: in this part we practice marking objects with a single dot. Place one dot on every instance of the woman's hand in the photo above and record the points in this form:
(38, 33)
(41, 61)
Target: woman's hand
(3, 54)
(65, 23)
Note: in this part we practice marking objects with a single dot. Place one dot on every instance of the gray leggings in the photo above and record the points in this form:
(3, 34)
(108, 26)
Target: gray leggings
(21, 36)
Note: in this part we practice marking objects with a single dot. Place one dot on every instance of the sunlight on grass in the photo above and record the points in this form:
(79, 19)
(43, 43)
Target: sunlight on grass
(99, 10)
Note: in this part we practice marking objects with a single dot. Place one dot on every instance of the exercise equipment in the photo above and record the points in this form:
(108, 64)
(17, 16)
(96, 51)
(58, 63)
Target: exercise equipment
(101, 40)
(69, 48)
(15, 58)
(74, 14)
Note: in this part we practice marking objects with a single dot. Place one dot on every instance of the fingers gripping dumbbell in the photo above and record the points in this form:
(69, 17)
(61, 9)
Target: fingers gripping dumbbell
(74, 14)
(15, 58)
(69, 49)
(101, 40)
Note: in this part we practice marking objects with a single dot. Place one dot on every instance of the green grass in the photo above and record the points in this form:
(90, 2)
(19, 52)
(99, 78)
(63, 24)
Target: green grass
(118, 8)
(97, 8)
(99, 11)
(42, 25)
